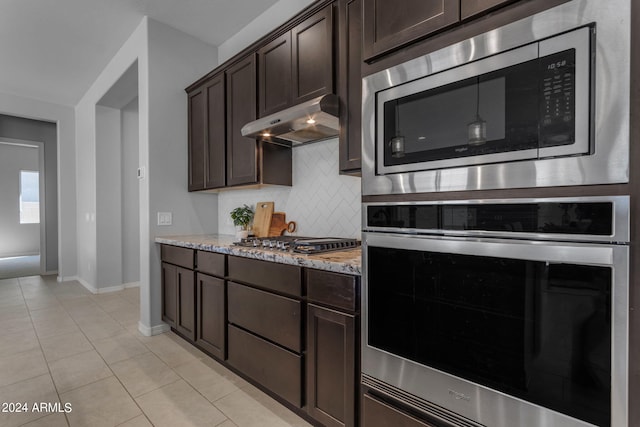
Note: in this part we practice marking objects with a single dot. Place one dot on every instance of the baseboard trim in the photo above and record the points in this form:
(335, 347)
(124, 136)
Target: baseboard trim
(86, 284)
(95, 290)
(109, 289)
(154, 330)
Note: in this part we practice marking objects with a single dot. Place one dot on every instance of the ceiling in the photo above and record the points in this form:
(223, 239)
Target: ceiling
(54, 50)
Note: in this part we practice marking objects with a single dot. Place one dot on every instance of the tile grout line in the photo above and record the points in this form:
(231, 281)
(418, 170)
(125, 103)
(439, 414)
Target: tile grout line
(42, 351)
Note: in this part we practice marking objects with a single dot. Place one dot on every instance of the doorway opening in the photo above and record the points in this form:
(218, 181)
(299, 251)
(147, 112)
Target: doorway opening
(22, 211)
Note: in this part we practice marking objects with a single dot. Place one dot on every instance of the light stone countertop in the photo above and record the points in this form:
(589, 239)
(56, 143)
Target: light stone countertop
(347, 262)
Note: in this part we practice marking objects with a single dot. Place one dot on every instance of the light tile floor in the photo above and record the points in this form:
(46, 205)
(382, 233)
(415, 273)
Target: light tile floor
(61, 345)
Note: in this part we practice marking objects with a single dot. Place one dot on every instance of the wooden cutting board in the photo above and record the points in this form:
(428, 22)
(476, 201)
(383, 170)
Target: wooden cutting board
(262, 218)
(278, 224)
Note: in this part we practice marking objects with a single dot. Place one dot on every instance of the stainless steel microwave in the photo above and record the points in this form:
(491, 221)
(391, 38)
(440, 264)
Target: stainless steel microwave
(540, 102)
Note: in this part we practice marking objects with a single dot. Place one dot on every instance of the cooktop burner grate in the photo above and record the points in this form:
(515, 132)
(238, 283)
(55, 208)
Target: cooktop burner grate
(302, 245)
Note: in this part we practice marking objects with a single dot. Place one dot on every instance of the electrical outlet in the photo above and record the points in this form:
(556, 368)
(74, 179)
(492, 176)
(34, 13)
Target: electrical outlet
(164, 218)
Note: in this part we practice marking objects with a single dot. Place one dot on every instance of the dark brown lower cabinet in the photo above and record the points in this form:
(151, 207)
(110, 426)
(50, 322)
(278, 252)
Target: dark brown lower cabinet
(169, 294)
(272, 366)
(376, 413)
(186, 293)
(331, 366)
(274, 317)
(256, 317)
(178, 299)
(210, 314)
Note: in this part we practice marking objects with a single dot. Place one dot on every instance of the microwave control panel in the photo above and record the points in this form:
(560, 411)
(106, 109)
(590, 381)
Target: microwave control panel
(557, 106)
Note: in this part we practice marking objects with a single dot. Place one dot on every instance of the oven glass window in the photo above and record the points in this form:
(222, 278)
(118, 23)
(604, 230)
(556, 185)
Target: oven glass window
(525, 106)
(539, 331)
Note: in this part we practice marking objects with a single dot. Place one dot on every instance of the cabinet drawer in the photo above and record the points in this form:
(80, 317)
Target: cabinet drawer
(275, 368)
(278, 277)
(178, 256)
(211, 263)
(376, 413)
(333, 289)
(272, 316)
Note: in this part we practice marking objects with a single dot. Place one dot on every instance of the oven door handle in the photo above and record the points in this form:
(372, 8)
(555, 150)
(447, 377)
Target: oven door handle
(553, 252)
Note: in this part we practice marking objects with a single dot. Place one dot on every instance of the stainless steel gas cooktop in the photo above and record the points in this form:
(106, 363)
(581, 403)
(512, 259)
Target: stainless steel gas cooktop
(297, 244)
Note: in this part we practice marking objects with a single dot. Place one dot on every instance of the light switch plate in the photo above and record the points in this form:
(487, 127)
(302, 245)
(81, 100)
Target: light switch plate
(164, 218)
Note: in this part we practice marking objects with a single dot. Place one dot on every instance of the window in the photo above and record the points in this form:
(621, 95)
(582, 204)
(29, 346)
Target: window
(29, 197)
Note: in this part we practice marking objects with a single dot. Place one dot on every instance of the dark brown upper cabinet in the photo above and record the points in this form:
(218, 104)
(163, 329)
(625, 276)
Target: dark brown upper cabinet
(216, 132)
(298, 65)
(275, 75)
(196, 143)
(207, 137)
(350, 84)
(469, 8)
(387, 26)
(312, 45)
(242, 152)
(219, 156)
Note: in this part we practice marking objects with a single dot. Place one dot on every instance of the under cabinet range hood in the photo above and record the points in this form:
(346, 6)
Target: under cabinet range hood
(310, 121)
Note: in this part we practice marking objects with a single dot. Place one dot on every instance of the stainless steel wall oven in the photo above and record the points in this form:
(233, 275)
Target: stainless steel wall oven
(499, 313)
(540, 102)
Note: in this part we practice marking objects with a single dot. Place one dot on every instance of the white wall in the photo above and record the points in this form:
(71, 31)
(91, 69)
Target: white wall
(175, 61)
(17, 239)
(87, 133)
(63, 117)
(108, 198)
(270, 19)
(130, 194)
(322, 202)
(167, 62)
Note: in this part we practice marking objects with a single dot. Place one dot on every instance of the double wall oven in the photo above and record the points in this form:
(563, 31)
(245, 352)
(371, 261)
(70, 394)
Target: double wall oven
(492, 312)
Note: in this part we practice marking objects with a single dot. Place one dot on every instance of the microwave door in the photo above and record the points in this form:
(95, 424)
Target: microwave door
(565, 107)
(407, 107)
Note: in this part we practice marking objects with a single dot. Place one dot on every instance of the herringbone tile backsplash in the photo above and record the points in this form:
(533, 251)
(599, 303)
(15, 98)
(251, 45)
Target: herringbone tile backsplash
(322, 202)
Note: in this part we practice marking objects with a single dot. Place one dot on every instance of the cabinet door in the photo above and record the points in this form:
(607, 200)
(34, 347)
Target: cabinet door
(169, 294)
(469, 8)
(241, 109)
(274, 65)
(350, 84)
(387, 26)
(216, 133)
(312, 44)
(196, 145)
(331, 366)
(186, 293)
(210, 313)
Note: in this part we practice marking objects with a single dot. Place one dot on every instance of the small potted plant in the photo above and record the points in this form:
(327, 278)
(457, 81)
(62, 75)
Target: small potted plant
(241, 217)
